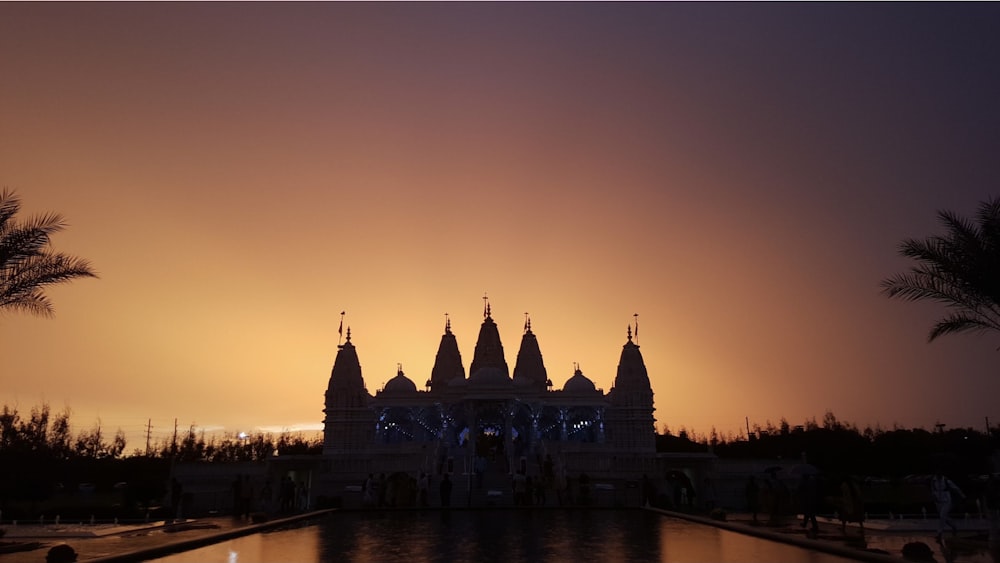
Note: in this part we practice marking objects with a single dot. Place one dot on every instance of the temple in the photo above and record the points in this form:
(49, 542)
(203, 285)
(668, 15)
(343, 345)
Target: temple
(507, 423)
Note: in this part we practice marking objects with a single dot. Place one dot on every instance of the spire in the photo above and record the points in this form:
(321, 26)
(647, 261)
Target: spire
(530, 369)
(632, 376)
(489, 349)
(345, 377)
(448, 362)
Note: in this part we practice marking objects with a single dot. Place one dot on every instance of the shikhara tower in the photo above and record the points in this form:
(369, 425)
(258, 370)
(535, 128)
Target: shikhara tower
(519, 420)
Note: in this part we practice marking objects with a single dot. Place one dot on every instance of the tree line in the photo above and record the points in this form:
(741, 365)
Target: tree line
(840, 447)
(43, 435)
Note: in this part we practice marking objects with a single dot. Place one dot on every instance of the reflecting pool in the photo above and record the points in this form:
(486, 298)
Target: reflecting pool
(508, 536)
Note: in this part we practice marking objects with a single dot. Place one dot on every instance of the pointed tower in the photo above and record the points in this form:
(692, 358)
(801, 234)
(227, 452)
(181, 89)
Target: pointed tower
(448, 362)
(349, 422)
(489, 350)
(529, 371)
(630, 421)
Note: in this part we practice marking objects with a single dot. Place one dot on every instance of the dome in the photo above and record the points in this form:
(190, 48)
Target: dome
(579, 384)
(489, 376)
(400, 384)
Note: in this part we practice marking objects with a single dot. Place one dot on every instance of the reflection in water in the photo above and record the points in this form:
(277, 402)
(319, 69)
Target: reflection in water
(510, 536)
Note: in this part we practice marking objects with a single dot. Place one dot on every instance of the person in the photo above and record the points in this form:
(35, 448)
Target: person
(446, 491)
(287, 493)
(852, 504)
(265, 497)
(380, 490)
(584, 486)
(539, 490)
(480, 467)
(176, 494)
(708, 495)
(648, 491)
(752, 493)
(809, 498)
(246, 497)
(302, 496)
(368, 491)
(422, 485)
(941, 489)
(519, 484)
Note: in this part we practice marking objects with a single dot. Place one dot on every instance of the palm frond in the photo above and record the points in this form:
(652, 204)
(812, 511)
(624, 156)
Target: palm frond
(959, 322)
(27, 265)
(959, 269)
(10, 204)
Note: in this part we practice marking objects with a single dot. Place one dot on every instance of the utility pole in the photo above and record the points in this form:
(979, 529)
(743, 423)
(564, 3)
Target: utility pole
(149, 431)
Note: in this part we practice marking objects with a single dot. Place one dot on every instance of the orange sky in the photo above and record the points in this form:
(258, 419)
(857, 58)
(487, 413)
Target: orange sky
(738, 175)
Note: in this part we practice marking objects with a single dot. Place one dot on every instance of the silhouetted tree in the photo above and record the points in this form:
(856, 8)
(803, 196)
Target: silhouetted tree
(27, 264)
(960, 269)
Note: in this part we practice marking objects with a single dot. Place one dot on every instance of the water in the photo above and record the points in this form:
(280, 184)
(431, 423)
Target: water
(507, 536)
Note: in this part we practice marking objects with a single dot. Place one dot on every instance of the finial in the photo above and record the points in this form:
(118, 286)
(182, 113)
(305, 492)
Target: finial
(527, 323)
(340, 330)
(630, 333)
(636, 317)
(576, 368)
(447, 324)
(348, 333)
(399, 369)
(486, 306)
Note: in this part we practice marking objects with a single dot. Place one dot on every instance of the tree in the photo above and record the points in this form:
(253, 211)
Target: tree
(27, 263)
(960, 269)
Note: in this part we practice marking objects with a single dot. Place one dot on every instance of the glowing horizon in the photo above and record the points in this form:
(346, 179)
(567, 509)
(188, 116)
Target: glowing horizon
(739, 175)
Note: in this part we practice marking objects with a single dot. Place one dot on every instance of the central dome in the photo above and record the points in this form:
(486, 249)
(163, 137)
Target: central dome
(579, 383)
(400, 384)
(489, 376)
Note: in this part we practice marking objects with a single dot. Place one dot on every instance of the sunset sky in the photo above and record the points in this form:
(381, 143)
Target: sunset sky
(738, 175)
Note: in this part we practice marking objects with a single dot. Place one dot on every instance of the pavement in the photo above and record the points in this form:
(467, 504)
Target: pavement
(881, 541)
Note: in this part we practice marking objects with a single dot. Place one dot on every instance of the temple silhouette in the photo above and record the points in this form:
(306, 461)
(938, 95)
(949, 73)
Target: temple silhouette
(516, 422)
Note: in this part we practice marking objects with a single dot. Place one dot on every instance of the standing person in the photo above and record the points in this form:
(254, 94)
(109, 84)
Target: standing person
(519, 484)
(446, 491)
(942, 489)
(809, 499)
(246, 497)
(368, 491)
(480, 466)
(752, 492)
(265, 497)
(852, 504)
(176, 494)
(422, 485)
(380, 492)
(708, 494)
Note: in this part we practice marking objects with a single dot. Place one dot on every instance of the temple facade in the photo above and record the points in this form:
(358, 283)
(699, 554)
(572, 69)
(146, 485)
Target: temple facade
(513, 422)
